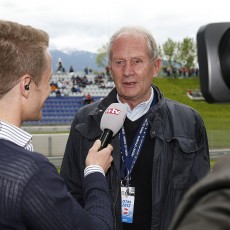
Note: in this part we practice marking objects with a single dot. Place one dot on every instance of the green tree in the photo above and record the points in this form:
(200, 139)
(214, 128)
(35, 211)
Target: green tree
(187, 52)
(101, 58)
(170, 49)
(160, 51)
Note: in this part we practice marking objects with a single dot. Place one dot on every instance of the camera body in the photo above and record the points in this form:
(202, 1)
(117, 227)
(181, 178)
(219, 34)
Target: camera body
(213, 48)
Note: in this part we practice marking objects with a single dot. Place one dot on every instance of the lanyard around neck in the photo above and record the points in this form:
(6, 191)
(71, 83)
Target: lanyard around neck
(129, 156)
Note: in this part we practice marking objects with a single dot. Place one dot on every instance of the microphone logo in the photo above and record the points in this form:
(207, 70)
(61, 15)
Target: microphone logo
(111, 122)
(113, 111)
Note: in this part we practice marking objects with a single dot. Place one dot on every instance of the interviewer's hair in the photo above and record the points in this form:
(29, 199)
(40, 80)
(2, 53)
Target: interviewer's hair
(22, 51)
(151, 43)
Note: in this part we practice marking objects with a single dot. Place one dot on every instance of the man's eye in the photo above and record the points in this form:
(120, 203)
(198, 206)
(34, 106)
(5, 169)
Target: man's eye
(119, 62)
(136, 61)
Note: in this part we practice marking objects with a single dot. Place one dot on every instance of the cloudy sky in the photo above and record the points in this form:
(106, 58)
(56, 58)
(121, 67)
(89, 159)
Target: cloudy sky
(88, 24)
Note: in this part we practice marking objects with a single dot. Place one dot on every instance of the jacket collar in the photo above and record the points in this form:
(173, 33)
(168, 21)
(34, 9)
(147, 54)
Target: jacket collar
(104, 104)
(156, 117)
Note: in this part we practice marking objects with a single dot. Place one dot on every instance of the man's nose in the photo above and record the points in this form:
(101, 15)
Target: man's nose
(128, 68)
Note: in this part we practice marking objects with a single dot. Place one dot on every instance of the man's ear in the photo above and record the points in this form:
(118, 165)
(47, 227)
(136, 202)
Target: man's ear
(156, 67)
(25, 85)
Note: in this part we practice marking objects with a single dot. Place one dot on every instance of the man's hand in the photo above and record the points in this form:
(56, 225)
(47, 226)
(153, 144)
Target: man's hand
(102, 158)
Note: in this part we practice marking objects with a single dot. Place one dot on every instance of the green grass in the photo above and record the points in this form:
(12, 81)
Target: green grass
(212, 162)
(216, 116)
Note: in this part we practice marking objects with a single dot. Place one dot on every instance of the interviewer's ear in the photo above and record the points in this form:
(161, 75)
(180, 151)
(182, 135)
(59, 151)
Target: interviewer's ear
(25, 84)
(27, 87)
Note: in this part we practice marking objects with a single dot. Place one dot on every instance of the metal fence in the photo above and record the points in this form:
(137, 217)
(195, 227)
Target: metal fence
(51, 145)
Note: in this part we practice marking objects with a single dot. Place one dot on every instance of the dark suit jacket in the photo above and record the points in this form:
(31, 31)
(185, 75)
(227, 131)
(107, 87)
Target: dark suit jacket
(34, 196)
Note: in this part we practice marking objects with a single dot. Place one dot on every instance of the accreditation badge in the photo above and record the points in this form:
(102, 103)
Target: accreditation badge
(127, 204)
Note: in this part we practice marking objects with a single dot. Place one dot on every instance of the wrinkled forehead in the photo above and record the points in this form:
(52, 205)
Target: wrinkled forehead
(129, 44)
(130, 36)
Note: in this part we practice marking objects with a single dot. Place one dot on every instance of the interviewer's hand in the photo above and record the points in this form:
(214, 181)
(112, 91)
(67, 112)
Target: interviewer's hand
(102, 158)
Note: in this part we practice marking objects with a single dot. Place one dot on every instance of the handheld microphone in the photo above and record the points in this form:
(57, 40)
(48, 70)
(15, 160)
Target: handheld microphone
(111, 122)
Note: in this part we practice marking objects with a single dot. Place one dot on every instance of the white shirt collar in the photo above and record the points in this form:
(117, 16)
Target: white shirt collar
(16, 135)
(140, 109)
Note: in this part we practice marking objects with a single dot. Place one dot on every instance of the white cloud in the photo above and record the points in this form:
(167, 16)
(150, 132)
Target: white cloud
(88, 24)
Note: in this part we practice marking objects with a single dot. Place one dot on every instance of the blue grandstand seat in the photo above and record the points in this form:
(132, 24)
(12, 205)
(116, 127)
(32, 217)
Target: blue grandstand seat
(59, 110)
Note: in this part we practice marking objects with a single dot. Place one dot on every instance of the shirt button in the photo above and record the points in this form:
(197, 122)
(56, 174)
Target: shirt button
(153, 132)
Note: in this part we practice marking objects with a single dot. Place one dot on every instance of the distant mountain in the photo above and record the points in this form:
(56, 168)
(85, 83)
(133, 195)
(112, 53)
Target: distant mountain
(77, 59)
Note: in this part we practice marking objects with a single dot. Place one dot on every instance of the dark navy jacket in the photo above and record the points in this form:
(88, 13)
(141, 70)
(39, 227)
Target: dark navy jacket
(33, 195)
(180, 155)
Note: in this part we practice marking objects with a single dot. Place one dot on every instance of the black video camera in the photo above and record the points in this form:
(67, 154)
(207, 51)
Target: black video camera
(213, 47)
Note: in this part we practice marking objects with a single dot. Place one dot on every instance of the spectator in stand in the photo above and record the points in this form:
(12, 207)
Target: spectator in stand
(102, 85)
(76, 89)
(71, 69)
(85, 80)
(73, 79)
(78, 80)
(60, 66)
(86, 70)
(32, 194)
(58, 93)
(59, 84)
(88, 99)
(53, 87)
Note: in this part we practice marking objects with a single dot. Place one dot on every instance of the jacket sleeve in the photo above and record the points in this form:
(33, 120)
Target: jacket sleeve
(189, 131)
(191, 134)
(72, 167)
(202, 160)
(197, 161)
(48, 205)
